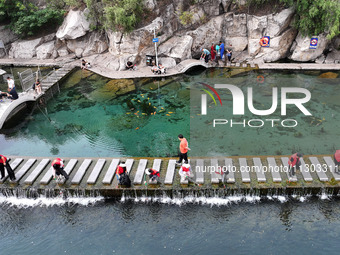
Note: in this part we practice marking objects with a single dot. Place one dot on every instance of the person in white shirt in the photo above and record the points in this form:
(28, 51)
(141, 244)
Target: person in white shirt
(10, 83)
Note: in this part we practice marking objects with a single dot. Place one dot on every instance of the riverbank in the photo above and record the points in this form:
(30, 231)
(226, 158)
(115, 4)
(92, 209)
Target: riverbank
(145, 71)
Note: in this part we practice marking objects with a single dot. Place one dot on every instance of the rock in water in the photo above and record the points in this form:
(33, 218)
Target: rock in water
(328, 75)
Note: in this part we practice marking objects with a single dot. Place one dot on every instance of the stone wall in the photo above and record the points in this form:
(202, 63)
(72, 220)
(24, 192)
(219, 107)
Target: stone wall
(212, 21)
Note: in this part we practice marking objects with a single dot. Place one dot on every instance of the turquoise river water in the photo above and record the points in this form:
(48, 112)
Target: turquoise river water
(94, 116)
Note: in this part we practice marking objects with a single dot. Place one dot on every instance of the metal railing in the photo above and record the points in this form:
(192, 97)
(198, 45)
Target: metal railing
(27, 78)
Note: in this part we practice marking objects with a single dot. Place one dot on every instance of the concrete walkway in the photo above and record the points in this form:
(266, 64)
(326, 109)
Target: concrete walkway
(101, 66)
(262, 173)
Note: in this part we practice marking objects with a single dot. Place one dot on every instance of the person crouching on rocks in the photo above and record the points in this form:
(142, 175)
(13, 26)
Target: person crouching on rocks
(153, 174)
(58, 167)
(294, 163)
(185, 171)
(122, 175)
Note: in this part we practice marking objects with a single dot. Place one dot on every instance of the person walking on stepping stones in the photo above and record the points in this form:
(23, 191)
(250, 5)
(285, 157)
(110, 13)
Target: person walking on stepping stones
(4, 163)
(183, 150)
(294, 163)
(58, 167)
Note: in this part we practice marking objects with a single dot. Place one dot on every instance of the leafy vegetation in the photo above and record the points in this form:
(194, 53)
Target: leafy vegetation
(123, 15)
(186, 18)
(317, 16)
(26, 19)
(32, 22)
(312, 16)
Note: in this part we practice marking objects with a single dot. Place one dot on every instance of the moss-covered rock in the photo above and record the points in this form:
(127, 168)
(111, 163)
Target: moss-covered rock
(328, 75)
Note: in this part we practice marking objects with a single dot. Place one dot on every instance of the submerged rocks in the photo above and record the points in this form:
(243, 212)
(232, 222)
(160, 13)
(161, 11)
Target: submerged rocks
(328, 75)
(118, 87)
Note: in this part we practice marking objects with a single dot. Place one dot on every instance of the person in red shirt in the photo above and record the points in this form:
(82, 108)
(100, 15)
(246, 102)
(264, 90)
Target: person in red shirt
(58, 167)
(185, 170)
(121, 169)
(294, 163)
(4, 163)
(183, 150)
(153, 174)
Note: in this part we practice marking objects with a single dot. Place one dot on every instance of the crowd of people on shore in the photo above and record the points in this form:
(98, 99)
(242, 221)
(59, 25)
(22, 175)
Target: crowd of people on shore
(217, 52)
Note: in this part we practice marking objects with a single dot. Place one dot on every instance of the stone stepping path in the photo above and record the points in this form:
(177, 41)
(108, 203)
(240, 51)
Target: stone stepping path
(214, 171)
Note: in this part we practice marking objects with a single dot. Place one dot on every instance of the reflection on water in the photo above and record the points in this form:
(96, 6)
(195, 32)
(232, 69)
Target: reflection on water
(263, 227)
(95, 116)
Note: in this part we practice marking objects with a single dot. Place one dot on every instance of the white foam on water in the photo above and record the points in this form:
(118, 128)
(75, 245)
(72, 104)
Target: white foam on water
(324, 196)
(282, 199)
(23, 202)
(212, 201)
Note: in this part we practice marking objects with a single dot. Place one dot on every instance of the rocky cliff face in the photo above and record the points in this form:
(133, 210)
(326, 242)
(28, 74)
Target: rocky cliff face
(212, 21)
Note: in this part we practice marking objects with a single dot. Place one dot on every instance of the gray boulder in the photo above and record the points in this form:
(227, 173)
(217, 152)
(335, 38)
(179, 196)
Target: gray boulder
(178, 47)
(333, 57)
(45, 50)
(91, 43)
(301, 51)
(273, 26)
(279, 46)
(167, 62)
(74, 26)
(135, 41)
(205, 35)
(63, 51)
(7, 36)
(150, 4)
(24, 48)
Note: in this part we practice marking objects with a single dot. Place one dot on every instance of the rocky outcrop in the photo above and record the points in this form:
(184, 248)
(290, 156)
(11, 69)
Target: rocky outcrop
(279, 46)
(28, 48)
(333, 57)
(45, 50)
(178, 47)
(92, 43)
(24, 49)
(301, 50)
(235, 32)
(274, 26)
(205, 35)
(167, 62)
(74, 26)
(212, 21)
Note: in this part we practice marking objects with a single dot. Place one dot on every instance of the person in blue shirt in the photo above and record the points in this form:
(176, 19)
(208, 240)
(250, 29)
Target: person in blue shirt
(205, 55)
(221, 49)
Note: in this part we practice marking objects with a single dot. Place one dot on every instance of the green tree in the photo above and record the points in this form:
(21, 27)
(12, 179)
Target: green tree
(34, 21)
(123, 15)
(317, 16)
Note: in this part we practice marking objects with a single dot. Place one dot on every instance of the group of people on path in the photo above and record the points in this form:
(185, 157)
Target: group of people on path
(123, 176)
(294, 162)
(11, 92)
(216, 52)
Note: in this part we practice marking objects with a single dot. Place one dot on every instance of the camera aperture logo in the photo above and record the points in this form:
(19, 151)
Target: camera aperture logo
(238, 100)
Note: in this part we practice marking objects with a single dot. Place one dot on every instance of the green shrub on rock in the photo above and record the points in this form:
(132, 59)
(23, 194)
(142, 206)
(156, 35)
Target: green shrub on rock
(123, 15)
(30, 24)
